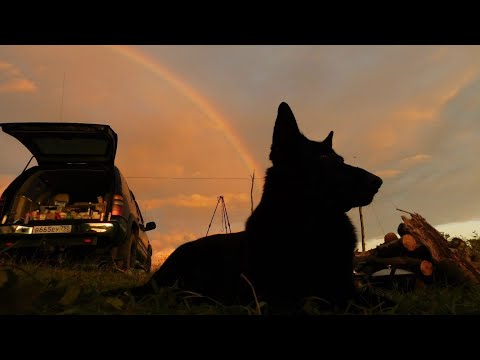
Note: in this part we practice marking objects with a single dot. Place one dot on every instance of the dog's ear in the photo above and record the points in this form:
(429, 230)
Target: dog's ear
(286, 129)
(286, 136)
(328, 139)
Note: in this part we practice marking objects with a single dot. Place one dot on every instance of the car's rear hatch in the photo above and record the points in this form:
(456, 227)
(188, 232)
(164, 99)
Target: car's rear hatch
(68, 197)
(55, 144)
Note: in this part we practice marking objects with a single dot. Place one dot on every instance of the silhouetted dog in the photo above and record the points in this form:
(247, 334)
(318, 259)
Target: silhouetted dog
(297, 243)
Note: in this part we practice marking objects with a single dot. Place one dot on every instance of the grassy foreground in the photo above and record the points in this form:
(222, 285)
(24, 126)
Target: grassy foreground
(44, 290)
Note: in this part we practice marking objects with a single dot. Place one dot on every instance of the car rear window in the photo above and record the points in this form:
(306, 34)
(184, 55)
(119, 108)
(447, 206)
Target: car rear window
(74, 146)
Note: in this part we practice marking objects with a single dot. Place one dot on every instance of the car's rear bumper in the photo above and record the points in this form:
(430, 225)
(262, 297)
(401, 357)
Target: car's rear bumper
(83, 238)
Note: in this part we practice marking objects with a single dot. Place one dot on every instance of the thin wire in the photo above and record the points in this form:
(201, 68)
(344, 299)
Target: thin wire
(225, 217)
(251, 190)
(223, 220)
(186, 178)
(378, 220)
(387, 198)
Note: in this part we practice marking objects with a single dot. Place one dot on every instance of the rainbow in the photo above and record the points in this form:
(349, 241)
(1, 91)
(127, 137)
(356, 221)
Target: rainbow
(220, 123)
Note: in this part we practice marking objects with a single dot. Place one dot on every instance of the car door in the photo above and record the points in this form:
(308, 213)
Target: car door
(142, 236)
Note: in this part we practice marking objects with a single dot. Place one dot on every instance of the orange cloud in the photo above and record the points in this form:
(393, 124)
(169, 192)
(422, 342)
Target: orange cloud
(400, 125)
(405, 164)
(414, 160)
(164, 244)
(13, 81)
(415, 115)
(9, 69)
(463, 80)
(383, 138)
(18, 85)
(388, 173)
(198, 201)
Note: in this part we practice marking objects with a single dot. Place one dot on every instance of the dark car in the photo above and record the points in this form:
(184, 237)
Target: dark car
(75, 204)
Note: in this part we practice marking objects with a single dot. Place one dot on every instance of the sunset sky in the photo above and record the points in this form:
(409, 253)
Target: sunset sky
(188, 117)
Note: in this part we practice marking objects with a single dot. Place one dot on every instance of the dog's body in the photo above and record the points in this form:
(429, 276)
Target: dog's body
(297, 243)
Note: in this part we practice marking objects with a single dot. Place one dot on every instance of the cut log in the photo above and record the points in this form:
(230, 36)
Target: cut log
(360, 254)
(416, 249)
(419, 284)
(426, 267)
(402, 230)
(405, 246)
(391, 249)
(409, 242)
(436, 243)
(390, 237)
(421, 252)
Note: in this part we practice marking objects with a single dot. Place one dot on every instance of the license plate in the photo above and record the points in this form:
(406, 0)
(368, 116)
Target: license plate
(52, 229)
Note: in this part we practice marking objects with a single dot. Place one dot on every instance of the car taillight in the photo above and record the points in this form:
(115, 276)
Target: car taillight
(117, 206)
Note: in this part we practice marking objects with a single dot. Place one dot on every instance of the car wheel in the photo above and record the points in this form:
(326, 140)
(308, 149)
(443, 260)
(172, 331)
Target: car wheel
(148, 263)
(125, 256)
(132, 254)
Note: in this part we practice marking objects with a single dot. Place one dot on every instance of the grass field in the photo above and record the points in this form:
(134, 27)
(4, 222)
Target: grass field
(37, 289)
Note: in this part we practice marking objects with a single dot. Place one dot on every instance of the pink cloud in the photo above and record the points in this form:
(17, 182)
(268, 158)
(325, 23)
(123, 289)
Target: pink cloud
(13, 81)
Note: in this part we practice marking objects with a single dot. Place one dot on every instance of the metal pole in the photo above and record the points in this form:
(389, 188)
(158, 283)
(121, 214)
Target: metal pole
(218, 201)
(251, 190)
(363, 230)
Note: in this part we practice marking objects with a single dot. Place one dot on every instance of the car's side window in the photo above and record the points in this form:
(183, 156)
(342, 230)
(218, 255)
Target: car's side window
(136, 205)
(139, 212)
(132, 196)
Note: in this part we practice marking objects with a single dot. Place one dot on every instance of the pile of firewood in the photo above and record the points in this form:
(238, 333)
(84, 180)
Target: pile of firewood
(424, 253)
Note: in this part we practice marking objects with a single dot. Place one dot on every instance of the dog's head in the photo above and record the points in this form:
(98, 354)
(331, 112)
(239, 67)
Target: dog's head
(320, 173)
